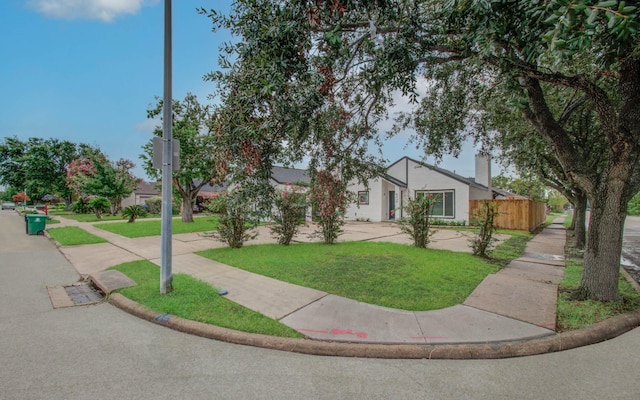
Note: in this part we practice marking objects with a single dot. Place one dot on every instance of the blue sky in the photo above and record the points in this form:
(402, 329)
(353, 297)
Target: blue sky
(87, 70)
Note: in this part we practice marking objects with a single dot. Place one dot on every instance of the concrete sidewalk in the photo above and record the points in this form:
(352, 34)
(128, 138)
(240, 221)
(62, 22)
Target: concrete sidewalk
(516, 303)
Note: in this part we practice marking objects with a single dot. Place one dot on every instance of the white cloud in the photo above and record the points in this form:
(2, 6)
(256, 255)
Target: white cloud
(103, 10)
(148, 125)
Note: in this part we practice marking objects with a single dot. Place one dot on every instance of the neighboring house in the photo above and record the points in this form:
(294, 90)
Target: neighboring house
(502, 194)
(384, 197)
(282, 177)
(144, 191)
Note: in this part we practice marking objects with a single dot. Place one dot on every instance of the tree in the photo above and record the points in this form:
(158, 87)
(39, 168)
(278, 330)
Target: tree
(201, 161)
(528, 152)
(99, 176)
(445, 56)
(39, 165)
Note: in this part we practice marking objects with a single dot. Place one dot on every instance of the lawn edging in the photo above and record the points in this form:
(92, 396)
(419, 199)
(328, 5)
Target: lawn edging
(598, 332)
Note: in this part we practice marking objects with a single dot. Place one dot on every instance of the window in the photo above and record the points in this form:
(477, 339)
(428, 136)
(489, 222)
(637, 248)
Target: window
(363, 197)
(443, 206)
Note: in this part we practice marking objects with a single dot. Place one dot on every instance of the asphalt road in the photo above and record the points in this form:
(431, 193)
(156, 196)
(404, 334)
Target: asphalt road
(631, 240)
(100, 352)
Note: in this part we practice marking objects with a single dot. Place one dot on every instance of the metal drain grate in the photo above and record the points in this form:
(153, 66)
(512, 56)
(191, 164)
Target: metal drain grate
(83, 293)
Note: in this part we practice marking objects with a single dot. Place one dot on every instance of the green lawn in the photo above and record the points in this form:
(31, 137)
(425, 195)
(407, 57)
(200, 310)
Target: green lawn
(72, 235)
(85, 217)
(195, 300)
(574, 314)
(142, 228)
(386, 274)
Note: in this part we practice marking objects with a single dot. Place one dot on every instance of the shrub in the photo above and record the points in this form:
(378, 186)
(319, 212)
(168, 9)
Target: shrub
(238, 218)
(81, 206)
(330, 199)
(418, 222)
(290, 206)
(215, 204)
(485, 217)
(154, 204)
(133, 212)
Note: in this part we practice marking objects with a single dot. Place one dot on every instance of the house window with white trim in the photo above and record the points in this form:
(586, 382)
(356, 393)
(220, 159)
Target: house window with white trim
(444, 202)
(363, 197)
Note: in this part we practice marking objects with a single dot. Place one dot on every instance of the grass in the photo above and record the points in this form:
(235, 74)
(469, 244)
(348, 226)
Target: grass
(72, 235)
(385, 274)
(85, 217)
(195, 300)
(153, 227)
(574, 314)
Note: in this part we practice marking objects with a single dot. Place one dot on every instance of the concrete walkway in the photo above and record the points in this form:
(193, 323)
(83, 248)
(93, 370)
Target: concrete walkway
(518, 302)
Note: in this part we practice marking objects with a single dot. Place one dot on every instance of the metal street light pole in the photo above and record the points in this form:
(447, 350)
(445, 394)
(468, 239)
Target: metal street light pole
(167, 156)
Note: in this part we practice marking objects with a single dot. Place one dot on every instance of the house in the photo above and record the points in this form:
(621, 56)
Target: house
(384, 197)
(144, 191)
(282, 177)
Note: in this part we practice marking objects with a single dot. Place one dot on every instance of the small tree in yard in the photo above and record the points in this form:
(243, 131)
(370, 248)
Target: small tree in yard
(485, 217)
(418, 224)
(99, 205)
(330, 198)
(290, 207)
(237, 219)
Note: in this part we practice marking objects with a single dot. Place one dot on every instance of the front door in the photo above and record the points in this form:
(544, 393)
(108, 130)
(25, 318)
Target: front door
(392, 205)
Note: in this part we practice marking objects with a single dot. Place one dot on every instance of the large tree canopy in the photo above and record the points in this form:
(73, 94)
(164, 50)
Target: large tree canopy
(39, 165)
(200, 156)
(297, 59)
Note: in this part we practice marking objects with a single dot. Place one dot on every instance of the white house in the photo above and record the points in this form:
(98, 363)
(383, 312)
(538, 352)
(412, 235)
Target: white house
(384, 197)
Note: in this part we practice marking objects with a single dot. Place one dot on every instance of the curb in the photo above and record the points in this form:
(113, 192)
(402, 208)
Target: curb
(595, 333)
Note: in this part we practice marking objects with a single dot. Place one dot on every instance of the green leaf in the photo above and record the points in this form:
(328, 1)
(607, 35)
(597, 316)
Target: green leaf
(607, 4)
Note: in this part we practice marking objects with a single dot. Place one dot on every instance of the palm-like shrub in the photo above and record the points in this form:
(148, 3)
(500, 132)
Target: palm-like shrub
(133, 212)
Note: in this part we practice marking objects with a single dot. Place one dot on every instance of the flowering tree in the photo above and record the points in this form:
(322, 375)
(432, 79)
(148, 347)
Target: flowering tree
(418, 223)
(98, 176)
(20, 197)
(290, 206)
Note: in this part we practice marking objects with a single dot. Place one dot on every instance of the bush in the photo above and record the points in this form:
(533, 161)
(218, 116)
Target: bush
(330, 200)
(154, 204)
(216, 204)
(418, 222)
(484, 237)
(238, 218)
(290, 208)
(81, 206)
(133, 212)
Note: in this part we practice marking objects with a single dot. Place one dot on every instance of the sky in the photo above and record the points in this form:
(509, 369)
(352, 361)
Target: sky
(87, 71)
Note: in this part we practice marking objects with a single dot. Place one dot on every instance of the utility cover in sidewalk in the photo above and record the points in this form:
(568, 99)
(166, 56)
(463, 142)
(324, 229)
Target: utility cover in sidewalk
(74, 295)
(111, 280)
(83, 294)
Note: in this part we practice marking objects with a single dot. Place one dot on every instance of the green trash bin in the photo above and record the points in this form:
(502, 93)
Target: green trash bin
(36, 223)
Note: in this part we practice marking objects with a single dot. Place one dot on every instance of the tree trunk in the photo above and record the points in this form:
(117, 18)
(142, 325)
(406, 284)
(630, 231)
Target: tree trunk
(579, 221)
(187, 208)
(604, 244)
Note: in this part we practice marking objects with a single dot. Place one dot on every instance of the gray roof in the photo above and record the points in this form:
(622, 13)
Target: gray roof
(452, 175)
(393, 180)
(148, 188)
(284, 175)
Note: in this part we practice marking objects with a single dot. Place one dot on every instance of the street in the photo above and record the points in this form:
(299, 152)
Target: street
(101, 352)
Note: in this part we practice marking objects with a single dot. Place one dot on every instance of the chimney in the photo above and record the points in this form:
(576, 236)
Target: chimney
(483, 171)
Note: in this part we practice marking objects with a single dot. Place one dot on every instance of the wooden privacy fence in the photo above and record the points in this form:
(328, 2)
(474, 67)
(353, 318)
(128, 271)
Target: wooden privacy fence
(516, 214)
